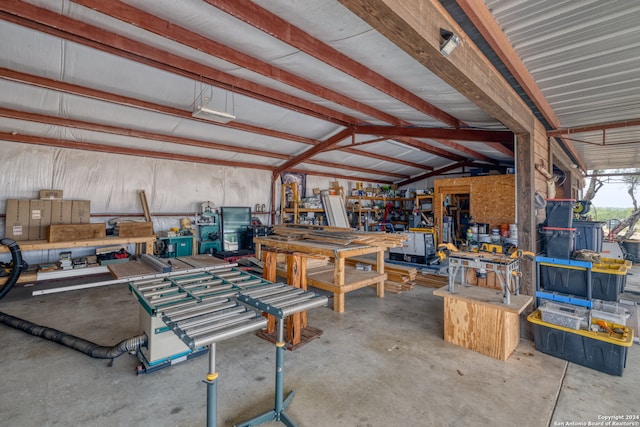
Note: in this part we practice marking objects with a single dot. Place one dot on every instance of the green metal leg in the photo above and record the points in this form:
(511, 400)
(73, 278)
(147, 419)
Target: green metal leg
(277, 414)
(212, 388)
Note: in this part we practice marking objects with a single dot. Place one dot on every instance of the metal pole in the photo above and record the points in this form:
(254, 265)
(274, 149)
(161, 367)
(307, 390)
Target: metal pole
(280, 367)
(212, 388)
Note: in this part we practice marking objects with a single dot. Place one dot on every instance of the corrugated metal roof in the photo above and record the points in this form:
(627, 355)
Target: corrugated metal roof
(584, 56)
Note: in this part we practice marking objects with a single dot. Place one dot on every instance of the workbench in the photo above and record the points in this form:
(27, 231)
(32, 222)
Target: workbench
(143, 245)
(477, 318)
(43, 245)
(339, 278)
(483, 319)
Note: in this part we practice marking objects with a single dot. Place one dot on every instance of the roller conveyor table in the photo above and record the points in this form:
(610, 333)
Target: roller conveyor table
(188, 313)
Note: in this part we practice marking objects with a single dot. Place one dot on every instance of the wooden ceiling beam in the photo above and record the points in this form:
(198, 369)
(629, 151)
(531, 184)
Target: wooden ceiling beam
(99, 95)
(593, 128)
(475, 135)
(350, 149)
(102, 148)
(482, 18)
(277, 27)
(166, 29)
(423, 146)
(66, 28)
(376, 179)
(78, 124)
(153, 136)
(440, 171)
(356, 169)
(471, 154)
(414, 26)
(329, 143)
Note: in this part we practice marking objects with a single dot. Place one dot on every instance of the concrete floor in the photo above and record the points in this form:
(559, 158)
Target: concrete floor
(381, 363)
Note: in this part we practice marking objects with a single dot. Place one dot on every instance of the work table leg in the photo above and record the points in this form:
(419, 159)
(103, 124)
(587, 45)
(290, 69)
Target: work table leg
(380, 270)
(269, 273)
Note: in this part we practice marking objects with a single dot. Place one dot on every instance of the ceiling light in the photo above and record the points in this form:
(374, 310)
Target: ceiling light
(213, 115)
(451, 41)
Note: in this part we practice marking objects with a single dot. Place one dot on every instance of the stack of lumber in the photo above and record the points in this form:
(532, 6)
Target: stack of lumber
(341, 236)
(399, 277)
(431, 280)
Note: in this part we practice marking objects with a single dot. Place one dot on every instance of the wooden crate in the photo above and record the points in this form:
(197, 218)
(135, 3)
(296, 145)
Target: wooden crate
(135, 229)
(73, 232)
(476, 318)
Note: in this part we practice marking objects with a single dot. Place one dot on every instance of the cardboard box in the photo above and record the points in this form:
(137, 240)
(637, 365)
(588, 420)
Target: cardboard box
(50, 194)
(39, 219)
(61, 211)
(80, 211)
(17, 219)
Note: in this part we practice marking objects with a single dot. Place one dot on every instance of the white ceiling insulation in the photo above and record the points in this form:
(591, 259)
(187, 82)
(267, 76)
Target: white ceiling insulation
(126, 75)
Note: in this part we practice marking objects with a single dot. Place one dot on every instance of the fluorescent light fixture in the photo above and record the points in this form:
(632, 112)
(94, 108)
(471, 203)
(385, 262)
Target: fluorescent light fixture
(213, 115)
(451, 41)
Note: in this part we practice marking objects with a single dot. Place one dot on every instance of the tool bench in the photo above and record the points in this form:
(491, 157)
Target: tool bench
(338, 278)
(483, 319)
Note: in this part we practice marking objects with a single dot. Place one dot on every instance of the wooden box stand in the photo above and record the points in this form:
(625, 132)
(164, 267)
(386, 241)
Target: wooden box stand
(477, 319)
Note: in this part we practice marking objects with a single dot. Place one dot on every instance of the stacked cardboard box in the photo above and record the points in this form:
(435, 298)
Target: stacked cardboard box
(30, 219)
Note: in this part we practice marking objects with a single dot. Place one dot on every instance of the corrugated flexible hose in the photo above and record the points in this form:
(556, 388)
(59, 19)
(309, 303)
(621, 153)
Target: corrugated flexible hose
(71, 341)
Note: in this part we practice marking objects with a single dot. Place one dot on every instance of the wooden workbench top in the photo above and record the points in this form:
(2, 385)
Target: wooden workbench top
(480, 295)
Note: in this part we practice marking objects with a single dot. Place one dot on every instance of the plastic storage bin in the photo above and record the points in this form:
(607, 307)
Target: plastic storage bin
(559, 213)
(603, 351)
(566, 315)
(607, 281)
(609, 311)
(558, 242)
(566, 276)
(588, 235)
(620, 262)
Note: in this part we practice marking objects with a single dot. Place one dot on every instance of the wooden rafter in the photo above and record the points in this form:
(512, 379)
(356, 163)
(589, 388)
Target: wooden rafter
(437, 172)
(594, 127)
(414, 26)
(329, 143)
(114, 130)
(49, 22)
(384, 158)
(482, 18)
(99, 95)
(61, 143)
(185, 37)
(266, 21)
(437, 133)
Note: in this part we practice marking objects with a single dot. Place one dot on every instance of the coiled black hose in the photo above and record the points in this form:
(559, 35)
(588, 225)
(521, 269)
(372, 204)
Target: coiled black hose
(71, 341)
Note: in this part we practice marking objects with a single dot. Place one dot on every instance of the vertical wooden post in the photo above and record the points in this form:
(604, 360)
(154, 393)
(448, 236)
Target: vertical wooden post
(294, 322)
(269, 273)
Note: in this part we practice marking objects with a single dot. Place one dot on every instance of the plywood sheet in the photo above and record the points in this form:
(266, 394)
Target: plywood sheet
(72, 232)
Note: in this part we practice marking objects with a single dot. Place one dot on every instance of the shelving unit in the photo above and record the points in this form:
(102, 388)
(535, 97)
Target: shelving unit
(365, 211)
(425, 214)
(290, 207)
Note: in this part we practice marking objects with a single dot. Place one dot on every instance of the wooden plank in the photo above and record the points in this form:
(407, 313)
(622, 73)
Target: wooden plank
(135, 229)
(354, 279)
(131, 269)
(145, 206)
(71, 232)
(475, 318)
